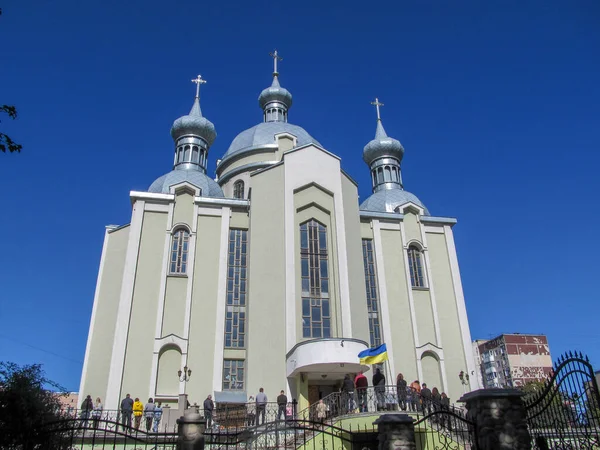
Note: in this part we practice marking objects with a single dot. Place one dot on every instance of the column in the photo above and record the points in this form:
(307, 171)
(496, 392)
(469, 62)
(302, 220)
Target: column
(500, 419)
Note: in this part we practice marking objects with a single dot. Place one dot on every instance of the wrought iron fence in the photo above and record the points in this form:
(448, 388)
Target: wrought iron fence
(565, 412)
(373, 399)
(292, 434)
(71, 433)
(445, 428)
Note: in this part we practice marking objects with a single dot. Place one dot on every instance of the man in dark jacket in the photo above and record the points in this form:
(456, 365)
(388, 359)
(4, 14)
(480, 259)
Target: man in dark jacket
(348, 393)
(209, 406)
(86, 410)
(426, 399)
(379, 383)
(282, 404)
(126, 411)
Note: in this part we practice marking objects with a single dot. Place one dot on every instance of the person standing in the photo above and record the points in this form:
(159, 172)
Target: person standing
(379, 383)
(157, 416)
(281, 405)
(445, 406)
(415, 391)
(321, 411)
(209, 407)
(86, 410)
(261, 406)
(149, 414)
(251, 411)
(348, 394)
(361, 383)
(97, 412)
(426, 399)
(138, 410)
(126, 411)
(401, 391)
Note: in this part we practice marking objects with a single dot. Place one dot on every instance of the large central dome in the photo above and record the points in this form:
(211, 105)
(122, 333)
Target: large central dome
(264, 134)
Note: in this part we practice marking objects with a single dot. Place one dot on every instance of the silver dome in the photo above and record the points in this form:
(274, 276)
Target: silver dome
(264, 134)
(387, 200)
(382, 146)
(275, 93)
(207, 185)
(194, 124)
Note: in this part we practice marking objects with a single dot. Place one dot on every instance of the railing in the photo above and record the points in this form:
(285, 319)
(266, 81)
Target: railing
(373, 399)
(236, 415)
(112, 420)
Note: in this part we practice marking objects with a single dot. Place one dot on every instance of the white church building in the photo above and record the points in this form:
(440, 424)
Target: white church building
(274, 276)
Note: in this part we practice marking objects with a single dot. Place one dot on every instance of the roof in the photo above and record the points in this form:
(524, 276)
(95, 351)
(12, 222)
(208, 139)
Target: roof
(387, 200)
(264, 134)
(208, 187)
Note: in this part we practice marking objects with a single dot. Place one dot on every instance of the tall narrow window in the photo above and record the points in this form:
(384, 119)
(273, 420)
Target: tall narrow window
(372, 298)
(415, 263)
(238, 189)
(237, 288)
(186, 155)
(233, 374)
(316, 313)
(179, 251)
(195, 154)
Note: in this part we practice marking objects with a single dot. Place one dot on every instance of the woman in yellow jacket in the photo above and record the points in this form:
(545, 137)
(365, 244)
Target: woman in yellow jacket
(138, 410)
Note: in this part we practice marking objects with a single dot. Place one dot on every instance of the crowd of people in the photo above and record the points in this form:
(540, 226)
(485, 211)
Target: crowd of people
(412, 397)
(151, 413)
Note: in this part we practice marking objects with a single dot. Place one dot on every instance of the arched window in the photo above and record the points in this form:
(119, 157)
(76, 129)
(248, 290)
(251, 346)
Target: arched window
(186, 156)
(180, 154)
(238, 189)
(394, 174)
(195, 154)
(380, 175)
(417, 267)
(179, 251)
(388, 174)
(316, 308)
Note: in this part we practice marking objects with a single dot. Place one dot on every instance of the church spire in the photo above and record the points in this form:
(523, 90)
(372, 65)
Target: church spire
(383, 155)
(193, 135)
(275, 100)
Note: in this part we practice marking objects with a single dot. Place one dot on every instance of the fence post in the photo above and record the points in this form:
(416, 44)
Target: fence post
(500, 419)
(396, 432)
(191, 427)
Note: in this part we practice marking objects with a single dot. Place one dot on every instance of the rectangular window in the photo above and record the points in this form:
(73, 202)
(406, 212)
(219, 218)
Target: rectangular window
(372, 298)
(237, 289)
(233, 374)
(316, 309)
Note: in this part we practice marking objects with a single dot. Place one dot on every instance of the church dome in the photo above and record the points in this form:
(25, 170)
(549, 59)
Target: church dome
(194, 124)
(208, 187)
(264, 134)
(382, 146)
(387, 200)
(275, 93)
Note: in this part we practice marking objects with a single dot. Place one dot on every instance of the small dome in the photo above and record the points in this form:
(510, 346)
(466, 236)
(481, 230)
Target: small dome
(388, 200)
(194, 124)
(264, 134)
(382, 146)
(275, 93)
(208, 186)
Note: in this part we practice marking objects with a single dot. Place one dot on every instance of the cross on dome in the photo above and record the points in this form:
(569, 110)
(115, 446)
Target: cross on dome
(198, 80)
(377, 104)
(276, 58)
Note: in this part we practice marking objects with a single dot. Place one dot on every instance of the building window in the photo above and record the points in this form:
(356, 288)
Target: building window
(372, 298)
(415, 262)
(233, 374)
(238, 189)
(316, 311)
(179, 251)
(195, 154)
(237, 288)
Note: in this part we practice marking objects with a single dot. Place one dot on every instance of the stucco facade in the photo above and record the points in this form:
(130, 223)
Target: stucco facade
(280, 287)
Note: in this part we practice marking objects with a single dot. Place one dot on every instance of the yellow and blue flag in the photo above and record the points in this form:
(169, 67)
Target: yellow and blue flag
(374, 355)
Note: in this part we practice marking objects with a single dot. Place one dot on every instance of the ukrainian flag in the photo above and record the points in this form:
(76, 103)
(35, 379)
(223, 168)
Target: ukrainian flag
(374, 355)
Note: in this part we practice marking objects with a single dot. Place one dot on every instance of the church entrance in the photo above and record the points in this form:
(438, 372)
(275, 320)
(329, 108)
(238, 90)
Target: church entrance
(319, 390)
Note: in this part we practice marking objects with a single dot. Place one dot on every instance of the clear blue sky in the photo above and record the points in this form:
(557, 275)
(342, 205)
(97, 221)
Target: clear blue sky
(496, 103)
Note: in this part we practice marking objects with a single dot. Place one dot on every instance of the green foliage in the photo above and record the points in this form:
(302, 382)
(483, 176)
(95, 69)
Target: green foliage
(6, 143)
(26, 405)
